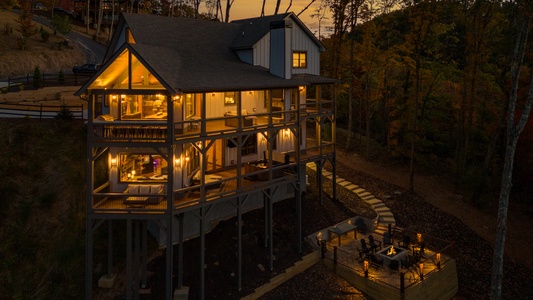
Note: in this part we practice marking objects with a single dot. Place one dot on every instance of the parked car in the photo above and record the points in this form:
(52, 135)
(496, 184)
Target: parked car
(39, 6)
(86, 69)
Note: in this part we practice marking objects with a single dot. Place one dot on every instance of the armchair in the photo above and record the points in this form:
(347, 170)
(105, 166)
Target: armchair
(374, 245)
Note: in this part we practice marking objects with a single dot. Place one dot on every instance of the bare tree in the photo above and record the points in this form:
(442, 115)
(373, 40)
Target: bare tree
(229, 3)
(513, 130)
(278, 2)
(305, 8)
(263, 8)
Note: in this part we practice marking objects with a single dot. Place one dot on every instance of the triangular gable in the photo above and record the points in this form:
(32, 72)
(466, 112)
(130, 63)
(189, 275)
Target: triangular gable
(126, 70)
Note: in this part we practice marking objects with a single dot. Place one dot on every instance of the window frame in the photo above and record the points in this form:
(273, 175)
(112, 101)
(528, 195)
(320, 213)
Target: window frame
(299, 59)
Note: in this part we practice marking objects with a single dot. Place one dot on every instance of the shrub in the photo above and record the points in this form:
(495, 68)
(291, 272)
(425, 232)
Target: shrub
(64, 114)
(61, 77)
(37, 78)
(45, 35)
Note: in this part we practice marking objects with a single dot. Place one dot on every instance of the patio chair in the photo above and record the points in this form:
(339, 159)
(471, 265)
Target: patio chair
(409, 262)
(375, 261)
(364, 250)
(374, 245)
(361, 226)
(387, 239)
(418, 252)
(406, 241)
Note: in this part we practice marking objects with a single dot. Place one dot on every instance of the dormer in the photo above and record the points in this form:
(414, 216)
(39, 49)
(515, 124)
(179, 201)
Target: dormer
(280, 43)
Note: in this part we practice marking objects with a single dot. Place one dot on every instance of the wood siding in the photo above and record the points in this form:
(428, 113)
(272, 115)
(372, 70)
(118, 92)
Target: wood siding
(299, 41)
(302, 42)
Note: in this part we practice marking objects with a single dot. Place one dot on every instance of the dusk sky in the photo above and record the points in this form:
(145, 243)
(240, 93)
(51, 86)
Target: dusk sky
(242, 9)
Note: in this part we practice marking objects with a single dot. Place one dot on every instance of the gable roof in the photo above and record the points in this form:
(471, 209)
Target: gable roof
(253, 29)
(194, 55)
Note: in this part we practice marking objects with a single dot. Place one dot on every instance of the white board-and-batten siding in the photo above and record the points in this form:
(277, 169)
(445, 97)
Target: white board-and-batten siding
(300, 41)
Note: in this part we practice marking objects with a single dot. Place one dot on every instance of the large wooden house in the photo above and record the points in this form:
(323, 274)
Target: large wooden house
(192, 122)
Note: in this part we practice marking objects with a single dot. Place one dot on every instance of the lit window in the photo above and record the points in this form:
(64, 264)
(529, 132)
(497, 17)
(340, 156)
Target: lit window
(299, 59)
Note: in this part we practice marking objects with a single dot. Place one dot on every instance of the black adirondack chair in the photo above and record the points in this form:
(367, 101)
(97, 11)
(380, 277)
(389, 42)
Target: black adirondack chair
(374, 245)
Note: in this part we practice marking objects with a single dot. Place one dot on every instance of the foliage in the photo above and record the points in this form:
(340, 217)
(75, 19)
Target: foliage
(64, 114)
(8, 29)
(37, 78)
(26, 25)
(61, 24)
(42, 229)
(45, 35)
(61, 77)
(434, 73)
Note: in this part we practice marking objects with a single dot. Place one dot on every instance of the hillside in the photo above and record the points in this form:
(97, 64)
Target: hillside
(48, 56)
(42, 209)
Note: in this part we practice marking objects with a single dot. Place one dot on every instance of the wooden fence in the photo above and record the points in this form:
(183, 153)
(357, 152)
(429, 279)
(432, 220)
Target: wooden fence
(41, 111)
(15, 84)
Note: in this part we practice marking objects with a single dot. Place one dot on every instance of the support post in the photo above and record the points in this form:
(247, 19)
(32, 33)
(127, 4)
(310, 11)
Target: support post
(109, 248)
(128, 258)
(180, 251)
(239, 244)
(144, 261)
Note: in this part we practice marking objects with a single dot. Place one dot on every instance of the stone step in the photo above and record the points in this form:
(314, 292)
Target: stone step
(386, 214)
(381, 210)
(359, 191)
(355, 186)
(374, 201)
(379, 205)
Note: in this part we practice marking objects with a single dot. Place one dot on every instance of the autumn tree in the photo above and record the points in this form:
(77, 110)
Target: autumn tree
(26, 25)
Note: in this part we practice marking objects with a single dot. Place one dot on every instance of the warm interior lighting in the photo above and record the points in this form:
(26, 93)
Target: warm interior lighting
(365, 267)
(301, 88)
(177, 98)
(133, 173)
(391, 251)
(114, 162)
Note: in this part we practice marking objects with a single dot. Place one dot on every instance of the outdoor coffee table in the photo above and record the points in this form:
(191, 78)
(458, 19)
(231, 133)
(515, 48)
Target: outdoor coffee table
(398, 255)
(341, 229)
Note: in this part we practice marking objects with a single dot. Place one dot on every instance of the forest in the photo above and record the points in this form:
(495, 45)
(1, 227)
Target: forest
(429, 83)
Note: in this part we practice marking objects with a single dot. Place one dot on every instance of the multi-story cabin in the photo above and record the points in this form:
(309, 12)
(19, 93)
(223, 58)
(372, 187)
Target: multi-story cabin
(192, 122)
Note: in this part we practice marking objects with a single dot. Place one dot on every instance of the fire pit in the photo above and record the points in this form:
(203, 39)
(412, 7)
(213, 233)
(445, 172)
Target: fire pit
(391, 253)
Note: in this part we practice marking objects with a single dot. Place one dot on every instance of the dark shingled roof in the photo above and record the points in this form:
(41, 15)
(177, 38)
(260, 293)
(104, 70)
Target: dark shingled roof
(193, 55)
(252, 30)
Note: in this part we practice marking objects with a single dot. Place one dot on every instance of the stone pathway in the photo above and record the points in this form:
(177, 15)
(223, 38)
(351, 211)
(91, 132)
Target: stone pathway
(385, 216)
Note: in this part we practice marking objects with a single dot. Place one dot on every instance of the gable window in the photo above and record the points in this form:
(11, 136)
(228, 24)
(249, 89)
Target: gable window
(299, 59)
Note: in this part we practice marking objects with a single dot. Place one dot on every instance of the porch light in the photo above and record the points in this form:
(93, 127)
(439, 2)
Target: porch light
(365, 267)
(187, 159)
(177, 98)
(421, 266)
(113, 162)
(437, 259)
(301, 88)
(177, 162)
(114, 98)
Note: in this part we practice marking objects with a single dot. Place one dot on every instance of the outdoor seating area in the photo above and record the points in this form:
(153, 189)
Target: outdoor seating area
(389, 265)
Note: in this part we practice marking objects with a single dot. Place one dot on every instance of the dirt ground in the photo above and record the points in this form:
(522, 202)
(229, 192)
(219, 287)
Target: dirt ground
(438, 192)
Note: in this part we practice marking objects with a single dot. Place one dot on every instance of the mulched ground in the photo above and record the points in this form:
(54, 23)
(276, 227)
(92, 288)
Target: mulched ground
(473, 254)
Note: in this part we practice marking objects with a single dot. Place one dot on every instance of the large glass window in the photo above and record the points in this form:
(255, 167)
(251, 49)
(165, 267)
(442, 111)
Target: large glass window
(299, 59)
(141, 166)
(143, 107)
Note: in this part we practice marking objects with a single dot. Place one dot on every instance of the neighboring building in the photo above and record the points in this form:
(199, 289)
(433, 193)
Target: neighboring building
(192, 122)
